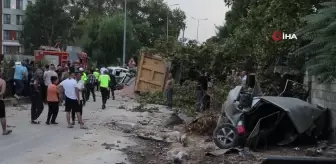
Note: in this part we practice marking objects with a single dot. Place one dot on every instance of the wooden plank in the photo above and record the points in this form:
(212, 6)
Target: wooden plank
(136, 88)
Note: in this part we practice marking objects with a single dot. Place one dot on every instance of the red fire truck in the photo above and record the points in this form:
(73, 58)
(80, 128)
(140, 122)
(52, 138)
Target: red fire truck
(57, 57)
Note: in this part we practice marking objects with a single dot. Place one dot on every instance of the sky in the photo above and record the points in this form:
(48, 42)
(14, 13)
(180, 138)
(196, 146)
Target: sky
(213, 10)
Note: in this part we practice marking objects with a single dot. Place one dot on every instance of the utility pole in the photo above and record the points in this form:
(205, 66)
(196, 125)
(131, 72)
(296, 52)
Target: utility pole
(168, 19)
(198, 23)
(124, 44)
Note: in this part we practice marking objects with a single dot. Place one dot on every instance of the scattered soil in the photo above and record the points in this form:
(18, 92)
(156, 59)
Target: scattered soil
(153, 152)
(148, 152)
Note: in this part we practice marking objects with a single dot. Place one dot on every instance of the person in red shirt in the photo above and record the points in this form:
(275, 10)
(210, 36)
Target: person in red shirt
(53, 101)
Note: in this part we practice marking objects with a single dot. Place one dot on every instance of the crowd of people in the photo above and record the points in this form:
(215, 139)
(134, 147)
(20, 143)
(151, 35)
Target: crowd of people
(69, 84)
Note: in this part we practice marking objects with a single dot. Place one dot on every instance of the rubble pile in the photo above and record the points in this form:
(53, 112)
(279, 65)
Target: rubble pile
(204, 124)
(323, 149)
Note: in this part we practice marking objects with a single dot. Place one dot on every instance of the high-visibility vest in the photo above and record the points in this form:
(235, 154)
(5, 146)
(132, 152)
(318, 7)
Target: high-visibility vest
(84, 77)
(104, 81)
(96, 74)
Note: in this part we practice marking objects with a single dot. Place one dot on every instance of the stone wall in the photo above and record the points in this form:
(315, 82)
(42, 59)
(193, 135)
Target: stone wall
(324, 95)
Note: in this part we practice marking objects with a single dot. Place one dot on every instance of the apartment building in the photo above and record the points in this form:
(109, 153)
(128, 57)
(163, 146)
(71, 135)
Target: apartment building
(12, 17)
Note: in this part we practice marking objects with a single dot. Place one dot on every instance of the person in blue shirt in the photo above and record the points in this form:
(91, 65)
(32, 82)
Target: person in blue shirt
(20, 73)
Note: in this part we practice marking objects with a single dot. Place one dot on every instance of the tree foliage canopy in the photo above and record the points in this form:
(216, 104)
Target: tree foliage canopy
(321, 48)
(243, 41)
(97, 26)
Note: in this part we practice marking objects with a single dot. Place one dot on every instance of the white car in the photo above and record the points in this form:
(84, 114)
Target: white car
(118, 72)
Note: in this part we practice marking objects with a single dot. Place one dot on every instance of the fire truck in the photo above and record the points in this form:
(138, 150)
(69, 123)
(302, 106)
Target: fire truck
(56, 56)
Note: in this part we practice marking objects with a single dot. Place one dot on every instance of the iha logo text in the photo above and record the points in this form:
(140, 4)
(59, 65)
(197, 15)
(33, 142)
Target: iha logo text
(278, 35)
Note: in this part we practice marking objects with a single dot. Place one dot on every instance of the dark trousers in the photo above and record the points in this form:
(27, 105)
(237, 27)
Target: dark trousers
(36, 106)
(112, 93)
(26, 88)
(206, 102)
(169, 98)
(97, 85)
(84, 97)
(53, 111)
(199, 100)
(44, 89)
(90, 88)
(104, 94)
(19, 87)
(73, 113)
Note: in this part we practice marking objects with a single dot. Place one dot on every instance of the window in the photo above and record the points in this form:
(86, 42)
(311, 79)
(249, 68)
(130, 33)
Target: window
(11, 50)
(19, 4)
(18, 35)
(19, 19)
(7, 19)
(7, 4)
(6, 35)
(5, 50)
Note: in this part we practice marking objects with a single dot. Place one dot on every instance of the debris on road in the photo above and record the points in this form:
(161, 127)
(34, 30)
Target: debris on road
(205, 124)
(173, 120)
(322, 150)
(110, 146)
(143, 108)
(220, 152)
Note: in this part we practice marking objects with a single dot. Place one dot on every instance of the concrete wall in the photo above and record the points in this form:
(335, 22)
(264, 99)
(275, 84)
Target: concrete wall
(325, 95)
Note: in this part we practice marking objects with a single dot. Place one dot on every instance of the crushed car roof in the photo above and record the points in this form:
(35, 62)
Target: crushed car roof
(300, 112)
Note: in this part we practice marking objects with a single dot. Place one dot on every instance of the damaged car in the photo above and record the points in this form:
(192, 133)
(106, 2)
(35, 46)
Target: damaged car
(252, 120)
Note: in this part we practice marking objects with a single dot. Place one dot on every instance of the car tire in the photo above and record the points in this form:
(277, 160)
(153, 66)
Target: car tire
(225, 136)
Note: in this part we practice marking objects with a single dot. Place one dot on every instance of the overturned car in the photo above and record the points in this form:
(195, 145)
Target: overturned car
(249, 119)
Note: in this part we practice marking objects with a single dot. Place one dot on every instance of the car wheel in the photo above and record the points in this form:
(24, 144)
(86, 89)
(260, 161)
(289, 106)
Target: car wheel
(225, 136)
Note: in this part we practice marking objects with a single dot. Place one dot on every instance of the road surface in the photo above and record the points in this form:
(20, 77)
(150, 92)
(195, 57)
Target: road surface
(55, 144)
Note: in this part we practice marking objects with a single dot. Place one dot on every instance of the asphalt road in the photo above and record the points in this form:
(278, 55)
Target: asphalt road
(55, 144)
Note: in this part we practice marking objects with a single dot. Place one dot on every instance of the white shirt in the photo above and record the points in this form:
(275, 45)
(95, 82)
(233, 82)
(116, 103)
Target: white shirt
(80, 86)
(69, 86)
(47, 75)
(244, 79)
(102, 70)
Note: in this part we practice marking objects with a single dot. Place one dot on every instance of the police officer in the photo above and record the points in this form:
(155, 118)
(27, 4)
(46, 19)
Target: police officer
(83, 78)
(104, 81)
(97, 74)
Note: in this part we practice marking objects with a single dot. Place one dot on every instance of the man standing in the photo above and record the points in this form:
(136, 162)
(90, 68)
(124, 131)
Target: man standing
(72, 101)
(36, 100)
(97, 74)
(5, 131)
(19, 75)
(243, 77)
(80, 88)
(201, 88)
(46, 77)
(90, 86)
(83, 78)
(112, 85)
(169, 90)
(104, 80)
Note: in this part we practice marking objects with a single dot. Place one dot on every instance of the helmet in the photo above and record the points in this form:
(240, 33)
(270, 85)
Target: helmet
(81, 69)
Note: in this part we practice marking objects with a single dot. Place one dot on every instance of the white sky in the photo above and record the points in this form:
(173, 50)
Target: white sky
(213, 10)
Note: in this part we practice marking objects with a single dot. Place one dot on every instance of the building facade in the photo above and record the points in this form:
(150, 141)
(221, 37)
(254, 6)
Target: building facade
(11, 28)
